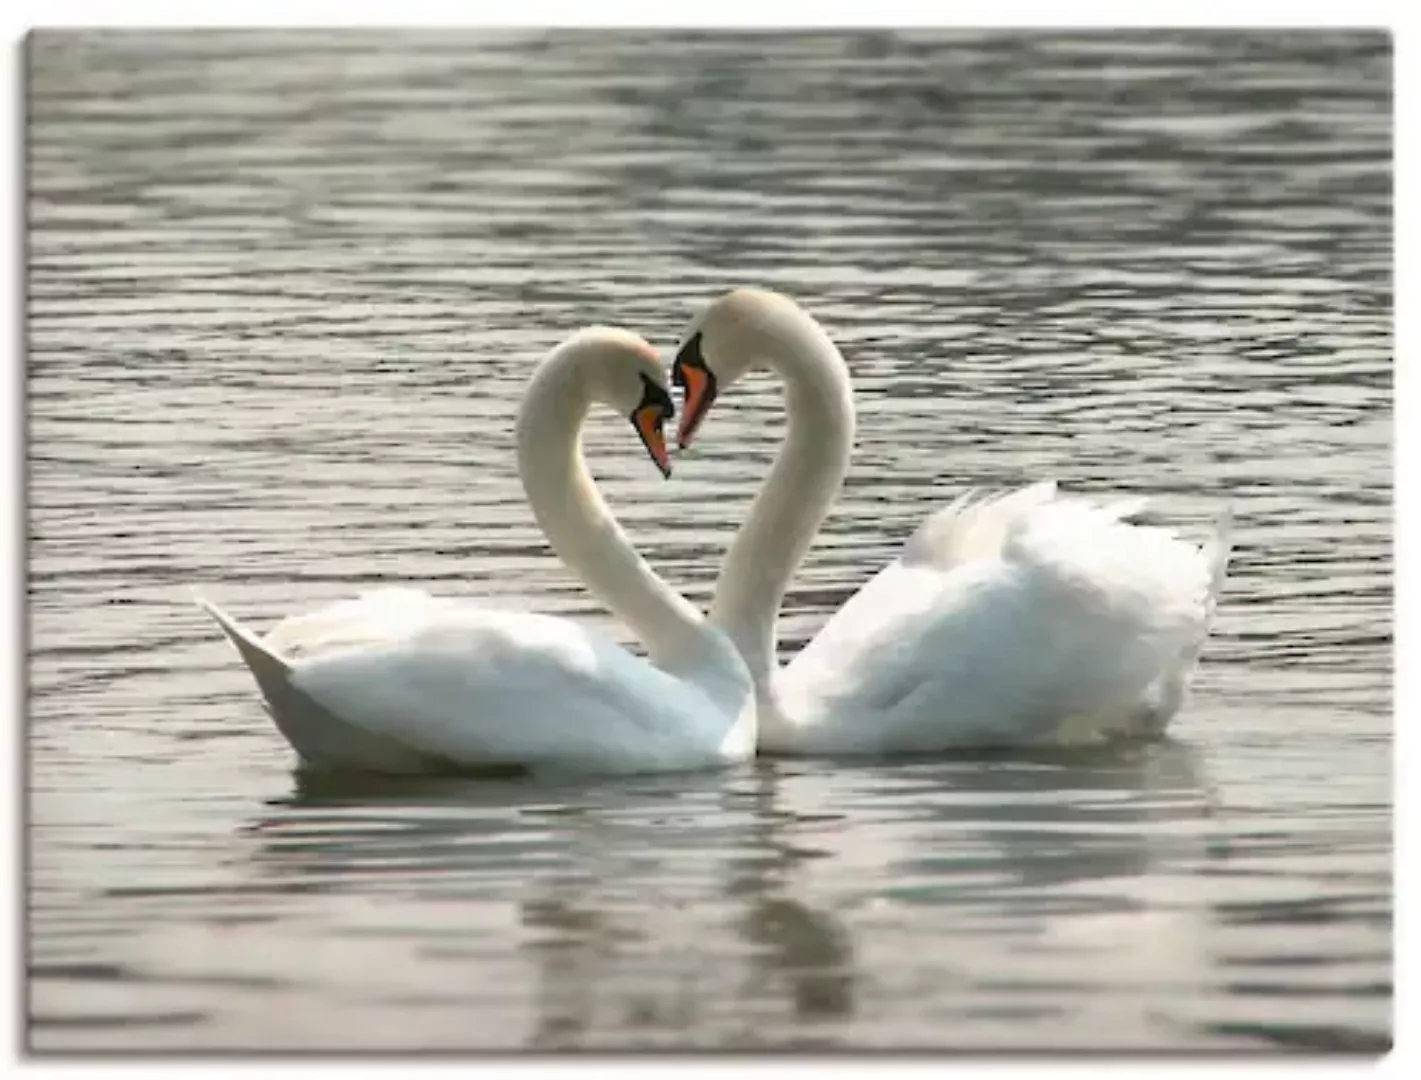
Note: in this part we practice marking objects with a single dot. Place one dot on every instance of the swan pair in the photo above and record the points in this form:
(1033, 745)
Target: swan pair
(1024, 619)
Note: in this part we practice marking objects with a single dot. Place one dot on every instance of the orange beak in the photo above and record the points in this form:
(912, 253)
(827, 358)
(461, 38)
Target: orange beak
(697, 402)
(647, 421)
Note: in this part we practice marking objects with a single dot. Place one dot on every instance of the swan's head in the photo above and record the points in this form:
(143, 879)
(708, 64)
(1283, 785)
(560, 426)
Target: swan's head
(624, 371)
(727, 339)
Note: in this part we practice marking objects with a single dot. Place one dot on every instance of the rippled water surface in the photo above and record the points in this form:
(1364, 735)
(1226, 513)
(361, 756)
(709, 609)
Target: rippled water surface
(284, 291)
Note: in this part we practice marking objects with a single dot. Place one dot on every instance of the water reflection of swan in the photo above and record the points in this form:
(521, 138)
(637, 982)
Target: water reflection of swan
(650, 911)
(988, 896)
(870, 905)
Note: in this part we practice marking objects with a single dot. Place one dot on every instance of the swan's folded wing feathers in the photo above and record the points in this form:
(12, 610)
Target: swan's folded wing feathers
(967, 529)
(379, 616)
(972, 528)
(1065, 629)
(1143, 573)
(986, 660)
(493, 687)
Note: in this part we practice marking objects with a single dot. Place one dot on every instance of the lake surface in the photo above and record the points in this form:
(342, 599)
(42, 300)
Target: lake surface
(284, 293)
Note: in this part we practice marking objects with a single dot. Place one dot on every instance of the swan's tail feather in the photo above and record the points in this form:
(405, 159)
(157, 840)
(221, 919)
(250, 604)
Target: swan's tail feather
(272, 673)
(321, 739)
(1163, 698)
(1216, 555)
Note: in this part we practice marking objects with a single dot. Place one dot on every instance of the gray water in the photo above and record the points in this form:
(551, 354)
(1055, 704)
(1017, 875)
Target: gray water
(284, 292)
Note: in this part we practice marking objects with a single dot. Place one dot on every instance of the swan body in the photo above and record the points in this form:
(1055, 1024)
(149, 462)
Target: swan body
(400, 681)
(1061, 624)
(441, 685)
(1024, 619)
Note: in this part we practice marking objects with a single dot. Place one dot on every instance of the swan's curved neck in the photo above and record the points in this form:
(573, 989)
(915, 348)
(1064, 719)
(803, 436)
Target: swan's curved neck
(582, 531)
(801, 488)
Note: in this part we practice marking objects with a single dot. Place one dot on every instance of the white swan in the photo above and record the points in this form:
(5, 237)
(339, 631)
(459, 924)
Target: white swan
(399, 681)
(1025, 619)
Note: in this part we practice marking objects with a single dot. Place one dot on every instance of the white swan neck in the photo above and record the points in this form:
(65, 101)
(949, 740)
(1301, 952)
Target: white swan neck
(582, 531)
(796, 498)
